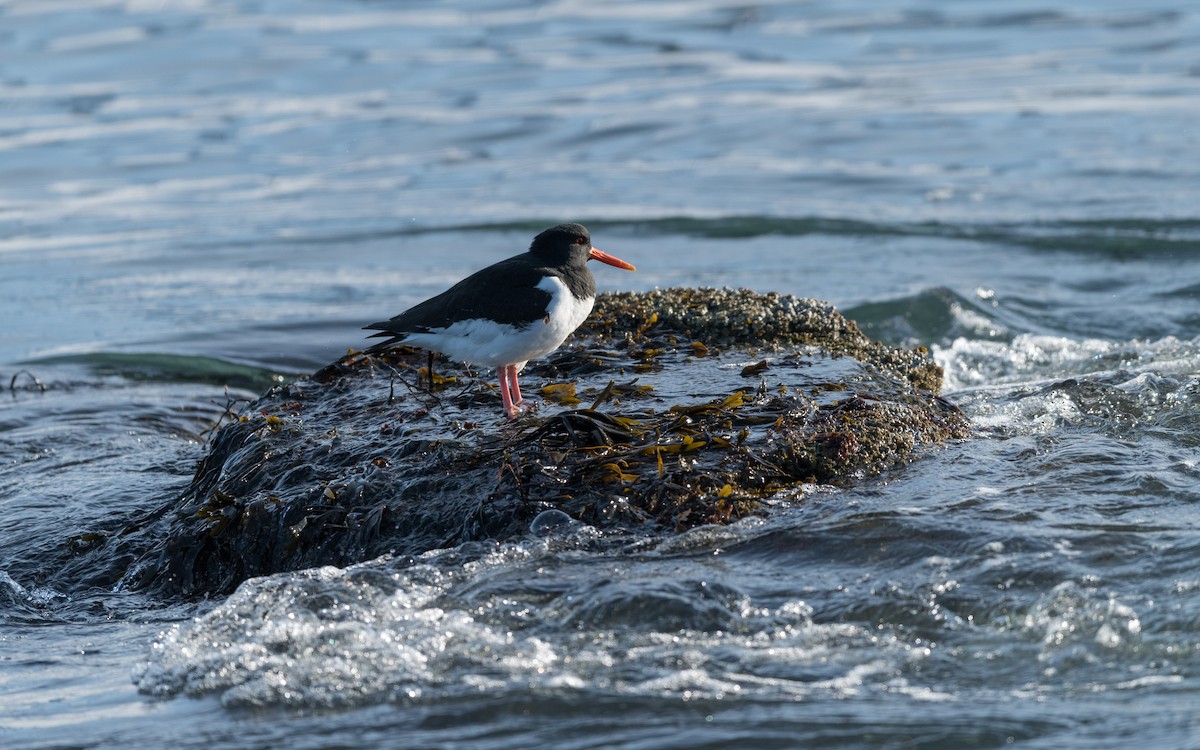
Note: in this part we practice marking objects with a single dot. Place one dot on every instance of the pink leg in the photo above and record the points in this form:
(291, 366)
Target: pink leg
(511, 409)
(516, 388)
(502, 374)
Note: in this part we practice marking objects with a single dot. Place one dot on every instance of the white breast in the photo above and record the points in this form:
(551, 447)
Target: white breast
(566, 312)
(486, 343)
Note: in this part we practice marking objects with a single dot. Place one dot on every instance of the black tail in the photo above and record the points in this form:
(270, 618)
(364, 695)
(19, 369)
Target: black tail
(385, 329)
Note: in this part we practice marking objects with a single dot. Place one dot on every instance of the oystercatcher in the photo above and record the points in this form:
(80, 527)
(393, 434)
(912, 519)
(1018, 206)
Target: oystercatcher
(510, 312)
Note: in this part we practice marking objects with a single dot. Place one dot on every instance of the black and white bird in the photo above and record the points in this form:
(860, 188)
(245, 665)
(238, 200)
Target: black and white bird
(508, 313)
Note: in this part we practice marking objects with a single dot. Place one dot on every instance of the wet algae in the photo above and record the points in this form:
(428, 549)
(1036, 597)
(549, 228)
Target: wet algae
(668, 409)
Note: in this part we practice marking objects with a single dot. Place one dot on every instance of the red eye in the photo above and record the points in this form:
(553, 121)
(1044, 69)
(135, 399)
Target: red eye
(581, 240)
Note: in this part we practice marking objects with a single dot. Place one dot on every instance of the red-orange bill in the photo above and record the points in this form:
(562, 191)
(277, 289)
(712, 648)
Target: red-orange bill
(603, 257)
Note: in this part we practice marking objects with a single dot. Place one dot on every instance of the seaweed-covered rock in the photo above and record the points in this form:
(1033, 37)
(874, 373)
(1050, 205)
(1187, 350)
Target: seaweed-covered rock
(669, 409)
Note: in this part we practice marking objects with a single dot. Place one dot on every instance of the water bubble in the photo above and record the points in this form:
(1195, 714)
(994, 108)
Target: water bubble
(550, 523)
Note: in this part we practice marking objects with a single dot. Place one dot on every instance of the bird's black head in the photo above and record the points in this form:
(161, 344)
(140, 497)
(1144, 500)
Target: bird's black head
(562, 245)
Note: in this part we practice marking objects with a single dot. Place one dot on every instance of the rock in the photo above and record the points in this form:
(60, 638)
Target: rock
(669, 409)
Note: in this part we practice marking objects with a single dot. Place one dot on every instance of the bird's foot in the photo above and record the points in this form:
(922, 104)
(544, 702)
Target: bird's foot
(514, 411)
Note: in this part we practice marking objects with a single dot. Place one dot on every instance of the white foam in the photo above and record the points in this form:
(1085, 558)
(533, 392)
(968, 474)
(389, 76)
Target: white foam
(1028, 357)
(377, 632)
(1073, 621)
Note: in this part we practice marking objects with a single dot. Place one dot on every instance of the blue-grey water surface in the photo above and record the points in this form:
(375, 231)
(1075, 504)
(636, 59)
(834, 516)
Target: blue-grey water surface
(201, 197)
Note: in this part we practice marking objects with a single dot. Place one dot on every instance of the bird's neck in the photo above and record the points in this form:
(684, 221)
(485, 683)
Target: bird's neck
(579, 281)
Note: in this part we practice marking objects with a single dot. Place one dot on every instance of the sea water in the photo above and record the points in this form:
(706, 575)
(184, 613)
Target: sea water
(203, 197)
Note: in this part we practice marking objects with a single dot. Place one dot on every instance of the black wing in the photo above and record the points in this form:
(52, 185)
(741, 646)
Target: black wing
(505, 292)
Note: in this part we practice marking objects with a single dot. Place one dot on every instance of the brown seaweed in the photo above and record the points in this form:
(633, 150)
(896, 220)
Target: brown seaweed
(650, 418)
